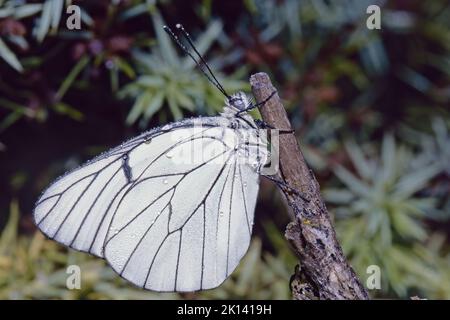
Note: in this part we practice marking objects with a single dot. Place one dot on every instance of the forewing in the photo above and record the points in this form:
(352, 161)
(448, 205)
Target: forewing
(76, 210)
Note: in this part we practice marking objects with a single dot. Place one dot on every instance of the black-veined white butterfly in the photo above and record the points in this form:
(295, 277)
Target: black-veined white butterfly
(169, 210)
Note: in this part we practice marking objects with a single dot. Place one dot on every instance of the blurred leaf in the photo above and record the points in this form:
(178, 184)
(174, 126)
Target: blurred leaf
(10, 119)
(138, 107)
(154, 106)
(9, 233)
(164, 40)
(65, 85)
(45, 20)
(9, 56)
(353, 183)
(27, 10)
(415, 181)
(65, 109)
(364, 168)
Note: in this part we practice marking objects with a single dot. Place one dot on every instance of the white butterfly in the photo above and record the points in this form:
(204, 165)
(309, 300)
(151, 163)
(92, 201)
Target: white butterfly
(170, 210)
(161, 221)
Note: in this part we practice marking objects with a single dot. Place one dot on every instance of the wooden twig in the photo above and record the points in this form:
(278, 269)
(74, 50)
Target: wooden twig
(324, 272)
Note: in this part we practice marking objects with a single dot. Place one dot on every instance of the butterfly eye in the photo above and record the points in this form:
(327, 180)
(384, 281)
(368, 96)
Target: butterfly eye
(237, 102)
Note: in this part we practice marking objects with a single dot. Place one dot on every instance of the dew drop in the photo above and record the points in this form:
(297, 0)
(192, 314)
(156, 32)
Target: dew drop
(148, 140)
(169, 155)
(221, 214)
(245, 184)
(165, 181)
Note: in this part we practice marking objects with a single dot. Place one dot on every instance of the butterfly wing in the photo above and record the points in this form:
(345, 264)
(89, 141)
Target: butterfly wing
(171, 210)
(76, 209)
(188, 228)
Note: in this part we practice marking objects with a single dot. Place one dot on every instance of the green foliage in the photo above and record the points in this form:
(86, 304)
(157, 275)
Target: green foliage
(9, 56)
(378, 214)
(16, 10)
(434, 146)
(35, 268)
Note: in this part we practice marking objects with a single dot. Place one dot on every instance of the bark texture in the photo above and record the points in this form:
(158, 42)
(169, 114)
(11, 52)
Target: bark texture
(324, 272)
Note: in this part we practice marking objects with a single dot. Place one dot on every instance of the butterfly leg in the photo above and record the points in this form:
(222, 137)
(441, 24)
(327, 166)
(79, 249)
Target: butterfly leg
(284, 185)
(264, 125)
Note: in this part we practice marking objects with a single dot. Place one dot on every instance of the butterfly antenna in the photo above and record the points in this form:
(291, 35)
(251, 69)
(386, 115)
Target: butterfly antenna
(180, 27)
(202, 62)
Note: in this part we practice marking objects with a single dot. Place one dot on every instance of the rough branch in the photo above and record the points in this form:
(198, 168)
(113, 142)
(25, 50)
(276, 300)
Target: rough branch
(324, 272)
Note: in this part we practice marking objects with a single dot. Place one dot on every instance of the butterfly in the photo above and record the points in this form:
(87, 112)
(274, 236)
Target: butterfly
(171, 209)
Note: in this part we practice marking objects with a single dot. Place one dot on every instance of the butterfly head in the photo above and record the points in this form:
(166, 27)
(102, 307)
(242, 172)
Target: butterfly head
(238, 100)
